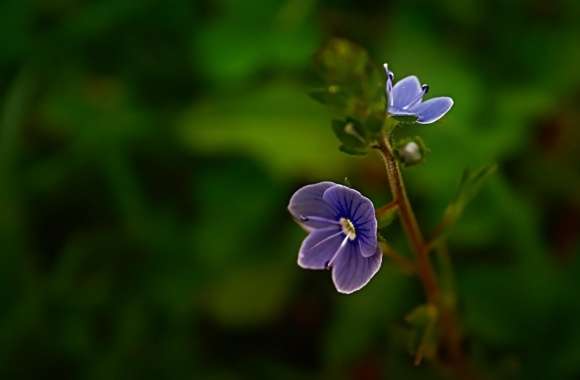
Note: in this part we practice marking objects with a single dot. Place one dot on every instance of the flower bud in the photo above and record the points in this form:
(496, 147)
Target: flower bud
(411, 153)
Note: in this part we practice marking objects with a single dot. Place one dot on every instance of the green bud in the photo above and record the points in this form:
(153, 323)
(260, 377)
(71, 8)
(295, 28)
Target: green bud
(411, 154)
(411, 151)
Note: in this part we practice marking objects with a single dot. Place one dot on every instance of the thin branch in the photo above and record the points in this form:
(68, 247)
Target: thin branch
(386, 208)
(410, 225)
(451, 335)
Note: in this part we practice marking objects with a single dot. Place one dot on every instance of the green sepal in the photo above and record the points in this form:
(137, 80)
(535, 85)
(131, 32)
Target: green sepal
(404, 157)
(405, 119)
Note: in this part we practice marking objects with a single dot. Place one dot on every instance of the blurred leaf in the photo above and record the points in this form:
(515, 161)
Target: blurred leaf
(352, 136)
(423, 319)
(375, 122)
(333, 96)
(249, 296)
(360, 320)
(353, 83)
(287, 38)
(16, 269)
(469, 186)
(275, 123)
(386, 217)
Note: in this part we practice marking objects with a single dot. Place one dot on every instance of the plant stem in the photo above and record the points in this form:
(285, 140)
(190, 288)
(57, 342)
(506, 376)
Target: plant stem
(410, 225)
(386, 208)
(451, 336)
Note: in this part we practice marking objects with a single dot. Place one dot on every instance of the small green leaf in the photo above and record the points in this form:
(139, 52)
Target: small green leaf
(386, 214)
(423, 320)
(471, 182)
(352, 136)
(422, 315)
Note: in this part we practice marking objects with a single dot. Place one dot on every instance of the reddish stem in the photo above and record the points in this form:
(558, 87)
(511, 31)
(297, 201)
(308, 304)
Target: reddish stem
(451, 336)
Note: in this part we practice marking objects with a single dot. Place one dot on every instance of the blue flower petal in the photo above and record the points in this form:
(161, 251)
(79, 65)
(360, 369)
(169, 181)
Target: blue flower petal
(405, 92)
(397, 112)
(319, 247)
(432, 109)
(351, 271)
(309, 209)
(389, 85)
(367, 239)
(360, 211)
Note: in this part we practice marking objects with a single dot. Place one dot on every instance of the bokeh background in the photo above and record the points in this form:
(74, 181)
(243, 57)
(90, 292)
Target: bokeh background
(148, 150)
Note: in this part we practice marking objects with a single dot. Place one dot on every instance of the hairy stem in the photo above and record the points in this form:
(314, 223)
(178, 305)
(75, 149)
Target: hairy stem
(385, 209)
(451, 336)
(410, 225)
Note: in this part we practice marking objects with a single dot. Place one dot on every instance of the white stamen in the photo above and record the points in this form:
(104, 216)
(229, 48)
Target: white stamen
(348, 228)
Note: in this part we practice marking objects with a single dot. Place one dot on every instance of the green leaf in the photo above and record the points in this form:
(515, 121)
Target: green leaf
(471, 182)
(244, 125)
(386, 214)
(423, 320)
(352, 136)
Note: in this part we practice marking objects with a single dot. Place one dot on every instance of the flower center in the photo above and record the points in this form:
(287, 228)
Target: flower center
(348, 228)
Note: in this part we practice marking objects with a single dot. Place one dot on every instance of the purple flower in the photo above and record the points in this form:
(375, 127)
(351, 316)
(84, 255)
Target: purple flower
(342, 233)
(405, 98)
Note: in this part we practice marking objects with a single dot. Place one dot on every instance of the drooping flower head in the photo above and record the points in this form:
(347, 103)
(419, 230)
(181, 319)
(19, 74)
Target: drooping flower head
(405, 98)
(342, 233)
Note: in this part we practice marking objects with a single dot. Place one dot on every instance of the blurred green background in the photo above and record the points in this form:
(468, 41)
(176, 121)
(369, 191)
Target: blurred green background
(148, 150)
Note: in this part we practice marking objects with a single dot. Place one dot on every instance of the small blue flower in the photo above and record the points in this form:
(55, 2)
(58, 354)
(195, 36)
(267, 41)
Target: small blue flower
(342, 233)
(405, 98)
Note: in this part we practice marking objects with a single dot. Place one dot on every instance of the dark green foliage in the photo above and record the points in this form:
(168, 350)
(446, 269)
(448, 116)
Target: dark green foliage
(148, 150)
(470, 184)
